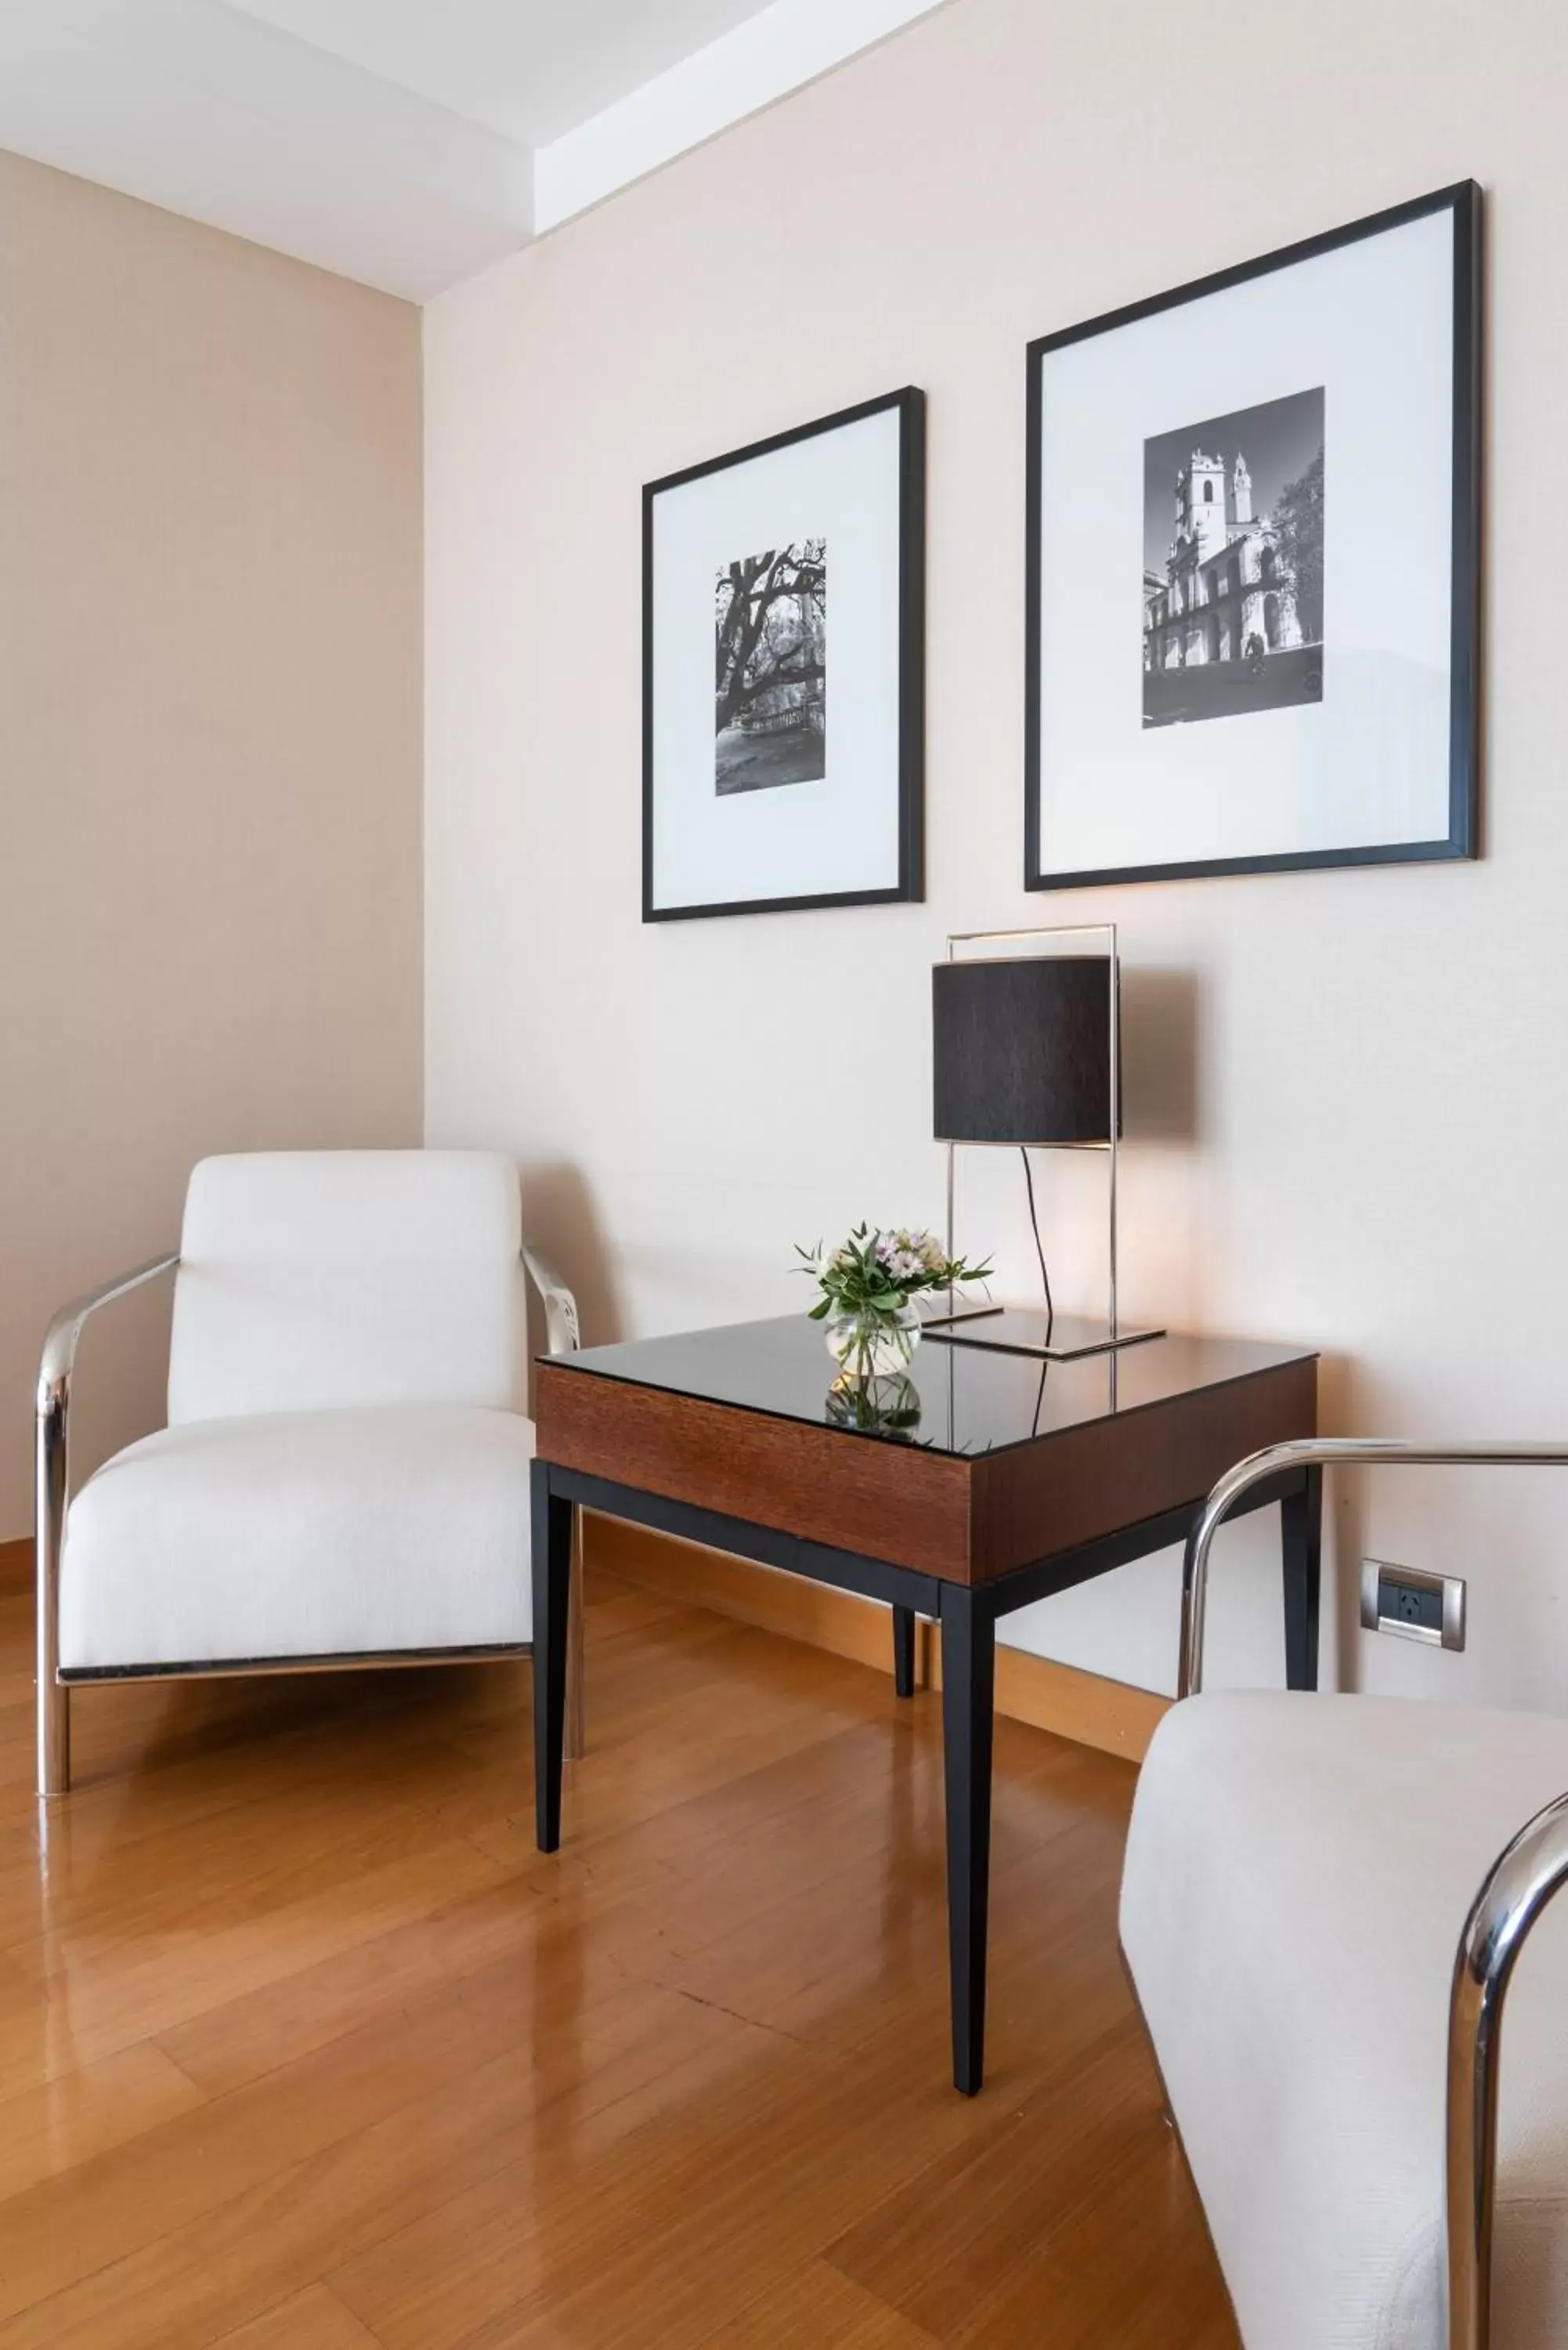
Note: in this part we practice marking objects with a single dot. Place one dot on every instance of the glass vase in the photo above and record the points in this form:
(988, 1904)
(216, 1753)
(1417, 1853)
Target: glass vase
(873, 1346)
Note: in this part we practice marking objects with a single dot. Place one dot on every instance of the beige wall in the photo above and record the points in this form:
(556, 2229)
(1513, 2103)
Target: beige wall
(1378, 1153)
(209, 694)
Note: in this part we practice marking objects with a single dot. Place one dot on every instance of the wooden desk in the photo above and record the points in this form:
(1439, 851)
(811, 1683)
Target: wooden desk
(1018, 1479)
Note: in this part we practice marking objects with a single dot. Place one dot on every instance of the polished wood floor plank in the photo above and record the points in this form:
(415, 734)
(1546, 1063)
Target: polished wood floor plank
(303, 2046)
(689, 2216)
(949, 2242)
(88, 2110)
(717, 2198)
(226, 1890)
(818, 2306)
(313, 2319)
(478, 2142)
(102, 1999)
(73, 2224)
(1120, 2262)
(223, 2047)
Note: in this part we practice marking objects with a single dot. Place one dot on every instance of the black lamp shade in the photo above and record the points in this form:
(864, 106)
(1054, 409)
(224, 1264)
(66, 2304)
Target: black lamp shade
(1022, 1050)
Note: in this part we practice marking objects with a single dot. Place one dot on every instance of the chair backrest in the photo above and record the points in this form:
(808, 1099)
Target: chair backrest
(311, 1280)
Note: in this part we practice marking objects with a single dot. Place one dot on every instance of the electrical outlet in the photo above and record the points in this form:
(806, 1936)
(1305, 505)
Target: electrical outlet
(1409, 1607)
(1415, 1605)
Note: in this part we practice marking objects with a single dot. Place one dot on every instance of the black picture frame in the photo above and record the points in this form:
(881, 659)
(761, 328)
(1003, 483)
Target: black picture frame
(1462, 840)
(910, 402)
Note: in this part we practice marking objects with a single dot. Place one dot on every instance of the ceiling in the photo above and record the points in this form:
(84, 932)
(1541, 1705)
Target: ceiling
(406, 143)
(528, 69)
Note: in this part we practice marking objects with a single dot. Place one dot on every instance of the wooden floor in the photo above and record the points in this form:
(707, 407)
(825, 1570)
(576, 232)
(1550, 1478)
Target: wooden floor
(304, 2047)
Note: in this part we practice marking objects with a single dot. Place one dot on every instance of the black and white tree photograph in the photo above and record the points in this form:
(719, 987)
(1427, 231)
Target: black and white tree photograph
(770, 717)
(736, 670)
(1233, 563)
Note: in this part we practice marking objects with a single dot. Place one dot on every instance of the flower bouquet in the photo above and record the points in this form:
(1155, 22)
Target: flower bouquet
(868, 1284)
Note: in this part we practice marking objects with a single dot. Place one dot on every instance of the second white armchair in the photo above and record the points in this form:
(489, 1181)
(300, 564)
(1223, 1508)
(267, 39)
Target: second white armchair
(1324, 1902)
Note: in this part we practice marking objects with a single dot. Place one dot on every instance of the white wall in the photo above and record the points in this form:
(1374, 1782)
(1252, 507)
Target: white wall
(1376, 1158)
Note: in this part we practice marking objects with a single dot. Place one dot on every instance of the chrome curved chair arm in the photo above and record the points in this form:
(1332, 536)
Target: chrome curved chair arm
(1521, 1882)
(1317, 1453)
(1518, 1887)
(52, 1491)
(60, 1339)
(561, 1324)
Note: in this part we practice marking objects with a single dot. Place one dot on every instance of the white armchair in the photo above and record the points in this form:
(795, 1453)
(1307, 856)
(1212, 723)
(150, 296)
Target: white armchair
(343, 1477)
(1324, 1985)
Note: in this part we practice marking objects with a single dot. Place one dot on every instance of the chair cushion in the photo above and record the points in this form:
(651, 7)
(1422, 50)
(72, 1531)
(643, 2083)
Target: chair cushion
(302, 1534)
(315, 1279)
(1298, 1872)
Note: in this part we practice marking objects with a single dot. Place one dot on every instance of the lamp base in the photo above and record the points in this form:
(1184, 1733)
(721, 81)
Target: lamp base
(1026, 1330)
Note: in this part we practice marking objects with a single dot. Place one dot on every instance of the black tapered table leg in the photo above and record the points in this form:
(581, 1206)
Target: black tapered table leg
(551, 1563)
(969, 1685)
(1301, 1536)
(904, 1651)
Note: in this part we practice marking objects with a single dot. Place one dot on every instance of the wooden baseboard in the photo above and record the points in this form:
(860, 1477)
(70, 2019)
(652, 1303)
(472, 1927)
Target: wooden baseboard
(1086, 1707)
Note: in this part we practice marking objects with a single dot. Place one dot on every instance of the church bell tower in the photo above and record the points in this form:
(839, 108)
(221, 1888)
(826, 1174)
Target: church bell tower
(1203, 502)
(1241, 490)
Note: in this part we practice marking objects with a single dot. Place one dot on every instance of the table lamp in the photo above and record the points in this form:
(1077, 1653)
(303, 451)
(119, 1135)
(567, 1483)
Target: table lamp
(1026, 1055)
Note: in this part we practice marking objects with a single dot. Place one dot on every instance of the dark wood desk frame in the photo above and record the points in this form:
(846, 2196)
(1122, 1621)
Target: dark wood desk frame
(958, 1527)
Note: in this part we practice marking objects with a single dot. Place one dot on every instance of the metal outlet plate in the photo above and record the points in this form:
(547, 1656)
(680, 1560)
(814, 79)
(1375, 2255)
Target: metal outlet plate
(1412, 1604)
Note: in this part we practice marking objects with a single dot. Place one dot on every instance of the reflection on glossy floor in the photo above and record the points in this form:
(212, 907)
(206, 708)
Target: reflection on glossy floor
(303, 2047)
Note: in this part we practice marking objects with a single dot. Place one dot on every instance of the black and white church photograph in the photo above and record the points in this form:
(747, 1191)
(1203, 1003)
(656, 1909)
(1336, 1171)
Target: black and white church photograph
(770, 717)
(1281, 694)
(1233, 563)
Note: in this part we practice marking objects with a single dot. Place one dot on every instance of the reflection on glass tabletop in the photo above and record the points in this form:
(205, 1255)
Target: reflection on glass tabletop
(959, 1400)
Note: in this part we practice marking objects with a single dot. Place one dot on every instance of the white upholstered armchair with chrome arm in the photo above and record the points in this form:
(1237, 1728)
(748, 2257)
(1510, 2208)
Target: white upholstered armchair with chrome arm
(1323, 1903)
(344, 1479)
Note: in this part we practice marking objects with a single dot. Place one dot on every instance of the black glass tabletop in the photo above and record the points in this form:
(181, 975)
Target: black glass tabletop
(961, 1399)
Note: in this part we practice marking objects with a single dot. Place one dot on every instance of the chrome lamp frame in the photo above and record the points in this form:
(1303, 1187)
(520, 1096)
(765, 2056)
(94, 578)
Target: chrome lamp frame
(52, 1500)
(1116, 1336)
(1525, 1875)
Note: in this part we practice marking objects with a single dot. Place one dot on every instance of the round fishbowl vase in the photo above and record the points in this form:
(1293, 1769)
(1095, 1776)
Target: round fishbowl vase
(873, 1346)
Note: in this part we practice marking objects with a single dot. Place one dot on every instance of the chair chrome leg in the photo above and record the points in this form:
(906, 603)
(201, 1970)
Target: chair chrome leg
(51, 1487)
(54, 1739)
(577, 1708)
(54, 1701)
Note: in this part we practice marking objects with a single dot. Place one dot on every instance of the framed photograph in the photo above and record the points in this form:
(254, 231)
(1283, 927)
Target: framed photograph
(782, 685)
(1252, 565)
